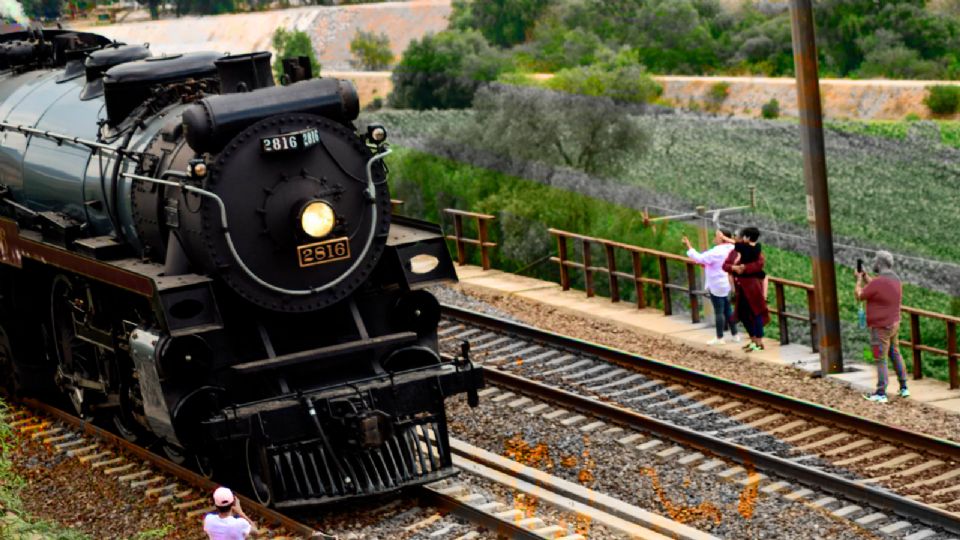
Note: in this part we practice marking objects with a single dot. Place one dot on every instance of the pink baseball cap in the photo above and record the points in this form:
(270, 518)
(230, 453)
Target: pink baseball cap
(222, 497)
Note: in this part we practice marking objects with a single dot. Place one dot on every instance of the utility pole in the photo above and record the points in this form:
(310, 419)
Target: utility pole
(815, 175)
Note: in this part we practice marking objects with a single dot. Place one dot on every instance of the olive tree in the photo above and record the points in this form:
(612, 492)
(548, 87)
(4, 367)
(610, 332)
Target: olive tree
(588, 133)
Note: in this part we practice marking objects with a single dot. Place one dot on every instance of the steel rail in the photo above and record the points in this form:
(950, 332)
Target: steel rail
(748, 457)
(451, 504)
(271, 516)
(943, 448)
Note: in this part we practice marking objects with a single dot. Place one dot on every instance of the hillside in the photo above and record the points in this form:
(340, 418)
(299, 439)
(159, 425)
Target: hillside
(330, 29)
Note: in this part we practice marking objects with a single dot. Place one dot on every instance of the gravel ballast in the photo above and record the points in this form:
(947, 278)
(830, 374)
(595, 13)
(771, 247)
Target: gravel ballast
(904, 413)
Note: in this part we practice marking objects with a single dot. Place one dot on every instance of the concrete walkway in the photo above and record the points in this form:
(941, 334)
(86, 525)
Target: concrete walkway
(860, 376)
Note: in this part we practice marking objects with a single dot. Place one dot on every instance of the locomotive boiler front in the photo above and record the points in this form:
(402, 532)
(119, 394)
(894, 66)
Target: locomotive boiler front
(295, 207)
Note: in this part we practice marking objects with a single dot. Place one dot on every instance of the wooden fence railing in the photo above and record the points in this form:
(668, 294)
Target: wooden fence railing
(610, 249)
(461, 241)
(662, 280)
(636, 276)
(916, 346)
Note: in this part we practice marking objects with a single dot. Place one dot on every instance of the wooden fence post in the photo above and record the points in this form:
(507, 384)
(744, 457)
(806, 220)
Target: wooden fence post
(587, 272)
(458, 233)
(612, 273)
(664, 290)
(694, 299)
(638, 279)
(812, 311)
(915, 341)
(484, 253)
(952, 354)
(562, 253)
(781, 311)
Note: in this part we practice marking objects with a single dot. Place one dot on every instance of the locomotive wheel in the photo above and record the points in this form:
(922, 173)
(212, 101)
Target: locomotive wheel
(256, 459)
(196, 462)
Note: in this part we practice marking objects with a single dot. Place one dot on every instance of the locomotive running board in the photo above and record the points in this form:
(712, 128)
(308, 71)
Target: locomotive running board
(297, 358)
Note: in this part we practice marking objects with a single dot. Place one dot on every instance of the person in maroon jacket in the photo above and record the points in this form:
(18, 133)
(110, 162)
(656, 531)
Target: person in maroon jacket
(883, 294)
(745, 263)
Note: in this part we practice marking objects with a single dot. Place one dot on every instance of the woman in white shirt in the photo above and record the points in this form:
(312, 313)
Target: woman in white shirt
(717, 281)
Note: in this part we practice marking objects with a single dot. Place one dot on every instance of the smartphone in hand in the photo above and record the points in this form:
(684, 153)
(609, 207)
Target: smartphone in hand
(859, 266)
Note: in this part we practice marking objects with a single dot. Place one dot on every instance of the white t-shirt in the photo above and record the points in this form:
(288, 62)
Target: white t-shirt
(229, 528)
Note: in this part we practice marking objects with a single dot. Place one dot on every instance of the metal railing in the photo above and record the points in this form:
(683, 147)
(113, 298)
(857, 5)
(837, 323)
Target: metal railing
(461, 241)
(917, 348)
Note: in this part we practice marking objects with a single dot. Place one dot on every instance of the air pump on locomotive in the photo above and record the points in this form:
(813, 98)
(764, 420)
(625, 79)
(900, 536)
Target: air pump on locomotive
(209, 262)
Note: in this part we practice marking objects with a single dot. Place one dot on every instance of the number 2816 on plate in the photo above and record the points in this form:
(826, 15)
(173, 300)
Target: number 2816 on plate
(324, 252)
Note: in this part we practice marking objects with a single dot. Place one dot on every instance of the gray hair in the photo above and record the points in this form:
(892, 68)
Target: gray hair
(884, 261)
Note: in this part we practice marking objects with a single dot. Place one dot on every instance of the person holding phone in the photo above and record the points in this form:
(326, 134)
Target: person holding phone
(883, 294)
(228, 522)
(717, 281)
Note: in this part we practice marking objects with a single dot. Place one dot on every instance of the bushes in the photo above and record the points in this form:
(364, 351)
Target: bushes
(371, 51)
(444, 70)
(770, 109)
(718, 93)
(587, 133)
(291, 43)
(942, 99)
(502, 22)
(629, 83)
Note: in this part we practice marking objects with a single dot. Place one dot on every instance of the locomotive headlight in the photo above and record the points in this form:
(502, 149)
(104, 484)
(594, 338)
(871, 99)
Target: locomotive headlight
(317, 219)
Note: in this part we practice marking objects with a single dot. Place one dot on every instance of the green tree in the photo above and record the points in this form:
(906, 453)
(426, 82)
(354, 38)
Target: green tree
(503, 22)
(621, 79)
(583, 132)
(42, 9)
(290, 44)
(444, 70)
(371, 51)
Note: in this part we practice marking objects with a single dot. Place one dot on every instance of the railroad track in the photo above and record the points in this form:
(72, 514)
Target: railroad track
(811, 448)
(481, 514)
(116, 459)
(528, 488)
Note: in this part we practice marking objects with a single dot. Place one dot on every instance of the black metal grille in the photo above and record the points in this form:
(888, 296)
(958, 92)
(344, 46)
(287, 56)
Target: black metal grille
(305, 473)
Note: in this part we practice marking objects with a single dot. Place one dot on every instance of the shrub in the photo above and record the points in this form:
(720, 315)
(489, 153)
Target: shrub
(289, 44)
(719, 91)
(624, 83)
(503, 22)
(371, 51)
(942, 99)
(770, 109)
(444, 70)
(587, 133)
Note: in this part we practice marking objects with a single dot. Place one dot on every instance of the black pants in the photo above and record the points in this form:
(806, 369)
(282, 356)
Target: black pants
(722, 311)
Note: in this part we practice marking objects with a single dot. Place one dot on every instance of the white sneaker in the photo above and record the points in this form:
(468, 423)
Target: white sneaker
(715, 341)
(737, 338)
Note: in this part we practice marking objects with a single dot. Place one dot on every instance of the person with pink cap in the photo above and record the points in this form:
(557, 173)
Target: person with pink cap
(228, 522)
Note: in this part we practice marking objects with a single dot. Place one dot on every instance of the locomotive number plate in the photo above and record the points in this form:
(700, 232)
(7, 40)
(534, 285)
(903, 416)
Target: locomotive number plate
(324, 252)
(290, 142)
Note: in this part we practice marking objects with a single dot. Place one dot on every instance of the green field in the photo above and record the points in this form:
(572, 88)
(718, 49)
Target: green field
(525, 209)
(899, 190)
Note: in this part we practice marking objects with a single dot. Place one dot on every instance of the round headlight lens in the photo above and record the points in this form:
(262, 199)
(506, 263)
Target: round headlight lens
(317, 219)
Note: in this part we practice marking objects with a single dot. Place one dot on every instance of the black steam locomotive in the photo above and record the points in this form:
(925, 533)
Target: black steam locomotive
(210, 263)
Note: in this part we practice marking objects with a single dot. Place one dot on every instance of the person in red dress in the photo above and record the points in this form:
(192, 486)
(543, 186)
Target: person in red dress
(745, 263)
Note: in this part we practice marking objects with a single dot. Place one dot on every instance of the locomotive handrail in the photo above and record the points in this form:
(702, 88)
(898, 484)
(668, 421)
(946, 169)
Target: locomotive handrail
(60, 138)
(226, 229)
